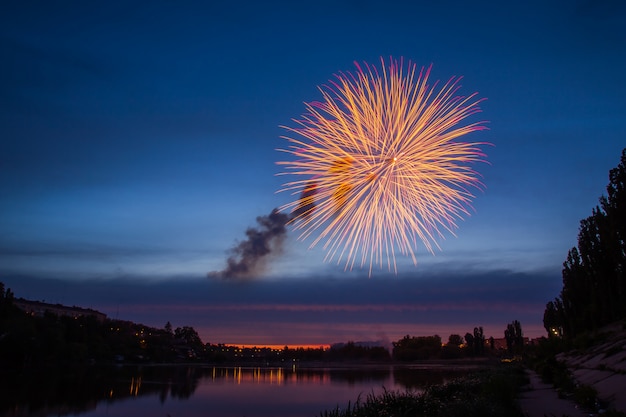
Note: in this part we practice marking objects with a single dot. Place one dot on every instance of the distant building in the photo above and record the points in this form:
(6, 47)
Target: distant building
(38, 308)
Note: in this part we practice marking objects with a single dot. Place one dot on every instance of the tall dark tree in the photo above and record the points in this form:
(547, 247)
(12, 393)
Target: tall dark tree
(469, 340)
(188, 336)
(514, 337)
(6, 303)
(594, 273)
(479, 340)
(553, 318)
(614, 206)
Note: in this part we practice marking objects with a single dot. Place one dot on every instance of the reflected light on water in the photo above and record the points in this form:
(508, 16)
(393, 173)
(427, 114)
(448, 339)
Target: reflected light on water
(198, 391)
(135, 385)
(272, 376)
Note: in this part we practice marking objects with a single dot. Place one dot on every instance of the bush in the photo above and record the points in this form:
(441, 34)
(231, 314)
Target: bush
(489, 393)
(586, 396)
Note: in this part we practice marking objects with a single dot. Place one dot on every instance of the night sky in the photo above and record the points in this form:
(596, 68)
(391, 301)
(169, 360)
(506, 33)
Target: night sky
(138, 142)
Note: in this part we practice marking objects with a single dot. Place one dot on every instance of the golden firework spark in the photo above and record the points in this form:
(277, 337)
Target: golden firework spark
(380, 165)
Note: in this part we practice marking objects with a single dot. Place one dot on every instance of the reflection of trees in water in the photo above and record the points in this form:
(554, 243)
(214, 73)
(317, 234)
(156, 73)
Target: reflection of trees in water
(356, 375)
(184, 382)
(72, 391)
(75, 391)
(40, 392)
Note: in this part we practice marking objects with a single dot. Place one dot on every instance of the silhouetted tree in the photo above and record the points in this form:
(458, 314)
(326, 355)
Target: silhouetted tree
(479, 341)
(6, 300)
(189, 337)
(452, 349)
(469, 340)
(455, 340)
(416, 348)
(514, 337)
(5, 303)
(594, 273)
(552, 318)
(354, 351)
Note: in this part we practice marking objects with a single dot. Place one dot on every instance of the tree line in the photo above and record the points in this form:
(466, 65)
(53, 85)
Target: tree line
(594, 273)
(473, 344)
(36, 340)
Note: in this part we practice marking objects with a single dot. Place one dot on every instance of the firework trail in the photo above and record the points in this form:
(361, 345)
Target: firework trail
(379, 166)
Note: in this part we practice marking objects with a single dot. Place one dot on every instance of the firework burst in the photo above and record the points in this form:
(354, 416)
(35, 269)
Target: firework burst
(379, 164)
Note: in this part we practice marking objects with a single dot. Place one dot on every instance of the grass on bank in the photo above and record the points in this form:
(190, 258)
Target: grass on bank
(552, 371)
(556, 373)
(486, 393)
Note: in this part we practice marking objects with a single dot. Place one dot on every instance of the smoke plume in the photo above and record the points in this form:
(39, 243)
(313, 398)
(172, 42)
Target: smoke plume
(248, 258)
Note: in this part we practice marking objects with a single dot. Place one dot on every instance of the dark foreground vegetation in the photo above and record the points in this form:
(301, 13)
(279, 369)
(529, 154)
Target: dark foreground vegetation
(487, 393)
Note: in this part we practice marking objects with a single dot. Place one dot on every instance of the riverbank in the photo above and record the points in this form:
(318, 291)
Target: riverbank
(489, 392)
(602, 366)
(589, 370)
(539, 399)
(497, 390)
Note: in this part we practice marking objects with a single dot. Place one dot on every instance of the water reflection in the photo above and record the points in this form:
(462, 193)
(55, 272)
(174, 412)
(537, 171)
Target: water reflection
(261, 375)
(81, 391)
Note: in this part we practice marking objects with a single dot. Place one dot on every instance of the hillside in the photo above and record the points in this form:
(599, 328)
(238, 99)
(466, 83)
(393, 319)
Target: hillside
(603, 365)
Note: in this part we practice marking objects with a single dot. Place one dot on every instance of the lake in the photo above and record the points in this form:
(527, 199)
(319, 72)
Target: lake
(216, 391)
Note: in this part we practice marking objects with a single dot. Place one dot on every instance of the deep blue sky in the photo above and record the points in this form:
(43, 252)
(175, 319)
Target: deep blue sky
(137, 143)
